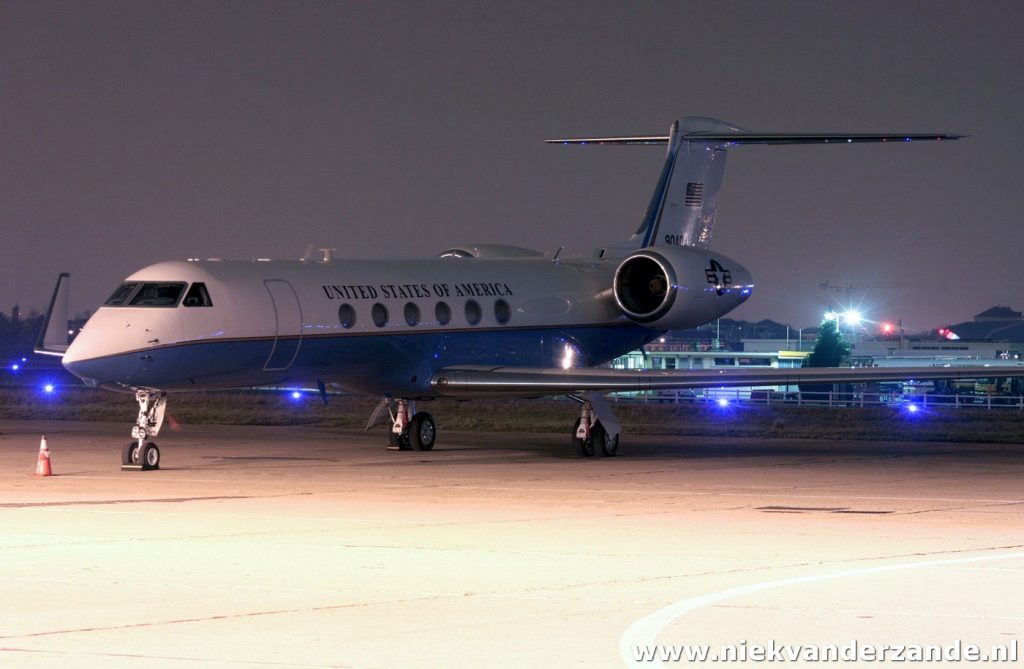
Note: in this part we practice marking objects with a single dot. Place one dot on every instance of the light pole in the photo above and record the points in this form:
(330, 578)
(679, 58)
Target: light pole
(852, 318)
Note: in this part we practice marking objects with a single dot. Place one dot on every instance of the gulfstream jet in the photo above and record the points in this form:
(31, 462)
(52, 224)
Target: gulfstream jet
(474, 321)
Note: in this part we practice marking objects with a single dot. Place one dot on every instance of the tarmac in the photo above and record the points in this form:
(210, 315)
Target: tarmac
(308, 547)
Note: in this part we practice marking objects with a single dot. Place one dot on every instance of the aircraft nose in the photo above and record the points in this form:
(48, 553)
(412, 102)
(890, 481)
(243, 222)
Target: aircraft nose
(96, 347)
(76, 358)
(92, 341)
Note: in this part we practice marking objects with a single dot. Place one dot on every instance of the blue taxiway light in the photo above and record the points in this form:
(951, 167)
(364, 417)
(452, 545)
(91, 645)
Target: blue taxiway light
(914, 410)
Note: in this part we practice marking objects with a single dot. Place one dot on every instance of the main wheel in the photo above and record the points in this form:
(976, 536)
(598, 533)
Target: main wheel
(422, 432)
(599, 439)
(581, 447)
(399, 441)
(150, 456)
(130, 453)
(610, 444)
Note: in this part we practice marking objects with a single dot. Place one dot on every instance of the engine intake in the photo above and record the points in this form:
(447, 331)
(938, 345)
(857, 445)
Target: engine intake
(679, 286)
(642, 287)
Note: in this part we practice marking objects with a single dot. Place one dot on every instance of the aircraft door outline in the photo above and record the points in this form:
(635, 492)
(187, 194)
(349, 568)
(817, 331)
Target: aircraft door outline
(287, 314)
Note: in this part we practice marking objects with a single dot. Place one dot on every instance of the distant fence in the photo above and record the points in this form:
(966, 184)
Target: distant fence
(820, 399)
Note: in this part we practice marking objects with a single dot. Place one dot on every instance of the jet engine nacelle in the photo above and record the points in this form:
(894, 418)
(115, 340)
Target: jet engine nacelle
(677, 287)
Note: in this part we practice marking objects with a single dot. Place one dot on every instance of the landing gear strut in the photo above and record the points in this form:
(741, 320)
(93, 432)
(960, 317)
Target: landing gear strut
(415, 433)
(590, 436)
(140, 453)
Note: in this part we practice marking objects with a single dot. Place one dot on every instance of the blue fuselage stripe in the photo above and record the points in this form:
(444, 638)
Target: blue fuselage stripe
(398, 363)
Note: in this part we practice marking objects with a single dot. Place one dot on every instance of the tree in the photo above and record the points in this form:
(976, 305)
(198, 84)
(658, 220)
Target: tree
(830, 349)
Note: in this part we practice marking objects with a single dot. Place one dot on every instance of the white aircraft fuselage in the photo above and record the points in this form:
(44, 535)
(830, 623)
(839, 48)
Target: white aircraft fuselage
(377, 327)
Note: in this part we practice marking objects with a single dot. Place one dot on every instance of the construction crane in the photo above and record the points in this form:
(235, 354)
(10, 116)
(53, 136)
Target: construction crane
(848, 288)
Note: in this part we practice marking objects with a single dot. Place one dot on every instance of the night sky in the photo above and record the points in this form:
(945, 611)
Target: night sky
(142, 131)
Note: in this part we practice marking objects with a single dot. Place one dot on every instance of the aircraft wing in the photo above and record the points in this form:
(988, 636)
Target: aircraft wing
(485, 381)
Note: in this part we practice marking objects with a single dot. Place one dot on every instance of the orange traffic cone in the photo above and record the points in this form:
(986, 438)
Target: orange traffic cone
(43, 464)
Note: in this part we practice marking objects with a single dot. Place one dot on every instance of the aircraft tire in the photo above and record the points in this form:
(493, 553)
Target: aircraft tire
(581, 447)
(150, 457)
(399, 441)
(422, 432)
(610, 444)
(599, 440)
(128, 453)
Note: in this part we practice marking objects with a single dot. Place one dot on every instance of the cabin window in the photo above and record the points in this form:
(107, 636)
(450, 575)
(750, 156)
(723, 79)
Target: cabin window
(158, 294)
(347, 316)
(412, 313)
(443, 313)
(473, 312)
(121, 295)
(197, 296)
(502, 312)
(379, 314)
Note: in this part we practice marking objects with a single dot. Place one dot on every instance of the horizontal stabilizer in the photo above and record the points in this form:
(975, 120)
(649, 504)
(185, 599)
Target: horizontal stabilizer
(53, 337)
(766, 138)
(684, 204)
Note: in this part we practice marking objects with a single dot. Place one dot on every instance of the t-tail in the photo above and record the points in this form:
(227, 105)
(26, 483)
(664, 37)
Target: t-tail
(685, 201)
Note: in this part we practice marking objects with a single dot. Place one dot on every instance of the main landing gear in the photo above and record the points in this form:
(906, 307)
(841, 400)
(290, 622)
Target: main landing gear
(140, 454)
(592, 436)
(415, 433)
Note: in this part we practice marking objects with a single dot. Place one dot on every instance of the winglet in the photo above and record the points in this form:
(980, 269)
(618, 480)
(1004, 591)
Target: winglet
(53, 336)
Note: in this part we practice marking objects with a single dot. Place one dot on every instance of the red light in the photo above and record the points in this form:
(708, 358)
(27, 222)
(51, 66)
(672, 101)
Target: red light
(887, 328)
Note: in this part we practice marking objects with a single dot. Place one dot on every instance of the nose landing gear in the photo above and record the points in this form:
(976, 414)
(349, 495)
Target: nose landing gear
(140, 454)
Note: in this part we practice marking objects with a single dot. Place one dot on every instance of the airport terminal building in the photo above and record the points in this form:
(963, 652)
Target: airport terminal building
(995, 337)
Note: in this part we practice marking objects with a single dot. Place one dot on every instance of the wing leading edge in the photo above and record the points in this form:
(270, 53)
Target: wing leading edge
(484, 381)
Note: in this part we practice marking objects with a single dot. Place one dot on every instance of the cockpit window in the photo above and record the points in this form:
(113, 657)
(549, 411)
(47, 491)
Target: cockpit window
(121, 295)
(197, 296)
(158, 295)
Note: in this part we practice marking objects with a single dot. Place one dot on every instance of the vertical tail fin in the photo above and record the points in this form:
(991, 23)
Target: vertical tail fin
(684, 203)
